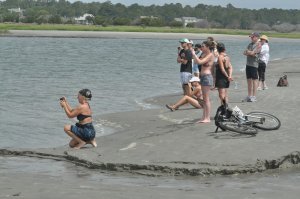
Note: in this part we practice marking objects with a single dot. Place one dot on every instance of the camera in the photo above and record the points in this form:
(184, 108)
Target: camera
(62, 98)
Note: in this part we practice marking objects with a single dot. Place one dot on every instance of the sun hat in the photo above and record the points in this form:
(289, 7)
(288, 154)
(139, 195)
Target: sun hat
(254, 34)
(184, 40)
(195, 79)
(264, 37)
(86, 93)
(190, 42)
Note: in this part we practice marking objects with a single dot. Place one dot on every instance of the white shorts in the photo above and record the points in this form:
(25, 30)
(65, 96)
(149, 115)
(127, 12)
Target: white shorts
(185, 77)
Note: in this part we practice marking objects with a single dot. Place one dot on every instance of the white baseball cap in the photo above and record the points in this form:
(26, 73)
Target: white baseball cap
(195, 79)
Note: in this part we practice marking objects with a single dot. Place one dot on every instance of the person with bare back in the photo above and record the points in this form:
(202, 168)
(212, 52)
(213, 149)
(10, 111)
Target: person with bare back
(83, 131)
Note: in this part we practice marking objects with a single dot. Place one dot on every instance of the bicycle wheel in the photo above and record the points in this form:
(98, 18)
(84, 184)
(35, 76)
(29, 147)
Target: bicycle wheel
(239, 128)
(270, 121)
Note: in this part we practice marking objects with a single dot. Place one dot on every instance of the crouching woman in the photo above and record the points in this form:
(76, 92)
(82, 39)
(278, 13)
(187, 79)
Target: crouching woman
(83, 131)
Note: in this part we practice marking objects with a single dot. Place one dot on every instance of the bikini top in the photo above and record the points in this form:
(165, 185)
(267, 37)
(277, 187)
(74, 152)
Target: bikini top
(81, 117)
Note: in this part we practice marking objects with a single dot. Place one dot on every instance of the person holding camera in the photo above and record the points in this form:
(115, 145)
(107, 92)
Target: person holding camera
(83, 131)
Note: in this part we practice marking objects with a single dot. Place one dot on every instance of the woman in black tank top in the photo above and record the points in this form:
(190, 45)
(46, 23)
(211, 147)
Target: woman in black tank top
(223, 73)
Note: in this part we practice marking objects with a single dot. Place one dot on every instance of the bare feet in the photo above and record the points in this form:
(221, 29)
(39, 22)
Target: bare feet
(204, 121)
(93, 142)
(79, 145)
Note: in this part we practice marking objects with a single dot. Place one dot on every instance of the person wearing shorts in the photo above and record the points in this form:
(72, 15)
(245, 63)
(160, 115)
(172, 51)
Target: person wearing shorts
(83, 132)
(206, 78)
(223, 73)
(251, 67)
(185, 59)
(262, 62)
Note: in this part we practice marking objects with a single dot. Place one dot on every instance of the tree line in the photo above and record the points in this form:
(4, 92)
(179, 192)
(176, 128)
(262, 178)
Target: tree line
(106, 13)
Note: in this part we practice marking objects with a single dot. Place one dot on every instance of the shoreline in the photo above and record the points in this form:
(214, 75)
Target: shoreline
(108, 34)
(119, 35)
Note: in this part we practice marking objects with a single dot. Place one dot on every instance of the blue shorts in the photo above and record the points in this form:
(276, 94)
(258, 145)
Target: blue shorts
(206, 80)
(86, 132)
(185, 77)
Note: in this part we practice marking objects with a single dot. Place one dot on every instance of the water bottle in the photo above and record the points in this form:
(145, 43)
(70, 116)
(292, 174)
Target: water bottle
(235, 85)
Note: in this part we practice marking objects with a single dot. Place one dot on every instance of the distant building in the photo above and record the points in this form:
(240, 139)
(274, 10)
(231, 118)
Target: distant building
(17, 10)
(83, 20)
(187, 20)
(148, 17)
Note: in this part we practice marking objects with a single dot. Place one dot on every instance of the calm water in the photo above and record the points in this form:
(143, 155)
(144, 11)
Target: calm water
(36, 72)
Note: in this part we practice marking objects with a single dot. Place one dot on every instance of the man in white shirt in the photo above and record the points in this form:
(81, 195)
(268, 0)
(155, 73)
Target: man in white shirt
(263, 59)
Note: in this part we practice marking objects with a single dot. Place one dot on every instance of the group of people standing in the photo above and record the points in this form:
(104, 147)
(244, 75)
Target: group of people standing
(207, 66)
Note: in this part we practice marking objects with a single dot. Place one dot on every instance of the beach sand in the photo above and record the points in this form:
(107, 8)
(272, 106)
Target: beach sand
(109, 34)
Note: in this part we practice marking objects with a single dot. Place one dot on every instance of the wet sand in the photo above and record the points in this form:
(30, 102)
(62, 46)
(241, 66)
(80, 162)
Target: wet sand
(109, 34)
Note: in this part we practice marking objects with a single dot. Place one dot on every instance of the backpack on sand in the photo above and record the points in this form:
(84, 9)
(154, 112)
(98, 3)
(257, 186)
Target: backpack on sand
(283, 81)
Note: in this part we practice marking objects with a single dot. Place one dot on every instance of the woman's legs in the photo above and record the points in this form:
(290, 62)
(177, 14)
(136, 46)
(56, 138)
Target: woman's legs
(206, 106)
(184, 100)
(223, 94)
(75, 142)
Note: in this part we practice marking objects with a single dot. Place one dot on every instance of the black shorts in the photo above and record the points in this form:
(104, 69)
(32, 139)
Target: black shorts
(222, 83)
(261, 67)
(251, 72)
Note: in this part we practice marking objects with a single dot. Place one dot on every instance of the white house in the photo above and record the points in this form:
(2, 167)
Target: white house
(187, 20)
(83, 20)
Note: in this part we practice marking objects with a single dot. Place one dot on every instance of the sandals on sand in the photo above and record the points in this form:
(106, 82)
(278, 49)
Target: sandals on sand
(170, 107)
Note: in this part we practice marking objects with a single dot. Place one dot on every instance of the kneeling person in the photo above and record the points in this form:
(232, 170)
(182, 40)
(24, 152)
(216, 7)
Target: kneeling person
(83, 132)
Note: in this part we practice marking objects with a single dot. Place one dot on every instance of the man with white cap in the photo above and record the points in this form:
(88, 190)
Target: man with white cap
(251, 67)
(185, 59)
(196, 99)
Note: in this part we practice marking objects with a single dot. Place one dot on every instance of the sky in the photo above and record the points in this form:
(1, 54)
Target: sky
(283, 4)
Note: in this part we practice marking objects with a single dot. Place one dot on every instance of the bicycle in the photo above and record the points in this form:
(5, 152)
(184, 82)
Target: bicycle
(234, 120)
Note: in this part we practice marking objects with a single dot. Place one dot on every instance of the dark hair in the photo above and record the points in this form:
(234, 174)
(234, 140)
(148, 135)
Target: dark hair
(210, 39)
(86, 93)
(197, 45)
(209, 44)
(220, 47)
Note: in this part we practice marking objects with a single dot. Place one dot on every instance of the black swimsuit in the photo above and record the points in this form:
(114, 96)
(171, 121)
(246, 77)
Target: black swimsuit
(81, 117)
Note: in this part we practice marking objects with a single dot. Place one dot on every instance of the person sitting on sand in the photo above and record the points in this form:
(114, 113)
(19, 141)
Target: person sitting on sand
(196, 99)
(83, 132)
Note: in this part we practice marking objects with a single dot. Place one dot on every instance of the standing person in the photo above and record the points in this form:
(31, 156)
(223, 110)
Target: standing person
(206, 78)
(83, 132)
(196, 70)
(251, 67)
(216, 54)
(223, 72)
(185, 59)
(263, 59)
(196, 99)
